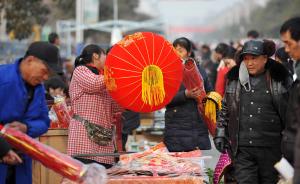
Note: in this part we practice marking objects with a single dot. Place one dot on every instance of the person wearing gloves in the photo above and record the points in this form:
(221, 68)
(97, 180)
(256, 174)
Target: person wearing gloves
(23, 105)
(250, 123)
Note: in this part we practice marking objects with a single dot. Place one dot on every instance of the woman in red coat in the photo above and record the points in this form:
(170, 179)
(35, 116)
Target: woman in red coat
(90, 102)
(229, 62)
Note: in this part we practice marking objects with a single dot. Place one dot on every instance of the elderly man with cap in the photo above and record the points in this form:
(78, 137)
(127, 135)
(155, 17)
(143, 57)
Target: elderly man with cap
(250, 123)
(290, 35)
(23, 105)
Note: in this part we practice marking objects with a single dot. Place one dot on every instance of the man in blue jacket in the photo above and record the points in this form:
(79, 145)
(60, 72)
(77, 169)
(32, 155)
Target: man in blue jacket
(23, 106)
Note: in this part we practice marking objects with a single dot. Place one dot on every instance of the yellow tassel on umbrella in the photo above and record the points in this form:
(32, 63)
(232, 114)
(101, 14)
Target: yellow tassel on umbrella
(153, 92)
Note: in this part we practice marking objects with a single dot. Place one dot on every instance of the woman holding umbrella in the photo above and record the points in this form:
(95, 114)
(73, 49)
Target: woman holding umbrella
(90, 130)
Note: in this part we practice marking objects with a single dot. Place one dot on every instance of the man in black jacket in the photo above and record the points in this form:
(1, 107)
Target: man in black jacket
(253, 114)
(8, 156)
(290, 35)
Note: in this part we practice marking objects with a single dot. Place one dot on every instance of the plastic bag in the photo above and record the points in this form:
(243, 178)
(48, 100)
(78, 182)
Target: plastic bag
(61, 110)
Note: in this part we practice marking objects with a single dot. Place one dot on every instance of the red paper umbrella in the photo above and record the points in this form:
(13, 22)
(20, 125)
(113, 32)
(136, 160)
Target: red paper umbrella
(143, 72)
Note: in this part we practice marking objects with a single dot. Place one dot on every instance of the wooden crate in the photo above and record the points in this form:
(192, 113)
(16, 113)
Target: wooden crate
(56, 138)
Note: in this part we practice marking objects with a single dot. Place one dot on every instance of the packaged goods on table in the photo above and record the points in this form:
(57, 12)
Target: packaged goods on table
(60, 114)
(157, 161)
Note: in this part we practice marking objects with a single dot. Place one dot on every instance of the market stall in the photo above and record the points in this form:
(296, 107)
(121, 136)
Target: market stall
(145, 84)
(155, 165)
(158, 165)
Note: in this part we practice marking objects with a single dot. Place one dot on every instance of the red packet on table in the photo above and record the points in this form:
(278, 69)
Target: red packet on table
(49, 157)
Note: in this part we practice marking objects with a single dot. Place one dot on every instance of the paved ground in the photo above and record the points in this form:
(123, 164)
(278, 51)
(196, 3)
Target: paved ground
(214, 153)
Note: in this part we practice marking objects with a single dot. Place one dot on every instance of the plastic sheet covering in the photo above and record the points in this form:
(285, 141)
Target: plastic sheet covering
(95, 174)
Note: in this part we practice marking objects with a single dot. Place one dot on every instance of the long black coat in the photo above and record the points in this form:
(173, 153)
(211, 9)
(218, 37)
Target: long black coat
(292, 122)
(279, 83)
(130, 121)
(293, 127)
(185, 129)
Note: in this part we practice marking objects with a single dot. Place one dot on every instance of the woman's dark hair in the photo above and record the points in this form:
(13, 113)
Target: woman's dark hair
(187, 44)
(269, 47)
(205, 46)
(55, 82)
(87, 54)
(183, 42)
(237, 57)
(230, 53)
(108, 49)
(222, 48)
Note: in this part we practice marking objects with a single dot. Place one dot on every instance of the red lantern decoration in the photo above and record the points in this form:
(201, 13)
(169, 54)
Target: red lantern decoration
(143, 72)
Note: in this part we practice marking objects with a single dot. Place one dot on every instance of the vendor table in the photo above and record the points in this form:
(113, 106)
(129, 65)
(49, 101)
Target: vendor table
(156, 180)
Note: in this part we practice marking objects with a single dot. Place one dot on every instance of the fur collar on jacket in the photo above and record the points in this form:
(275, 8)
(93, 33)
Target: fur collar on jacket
(277, 71)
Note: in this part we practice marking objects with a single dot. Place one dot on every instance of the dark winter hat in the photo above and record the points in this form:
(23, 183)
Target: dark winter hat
(254, 47)
(46, 52)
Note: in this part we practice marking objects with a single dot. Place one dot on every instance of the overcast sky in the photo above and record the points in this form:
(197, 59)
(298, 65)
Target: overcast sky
(178, 12)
